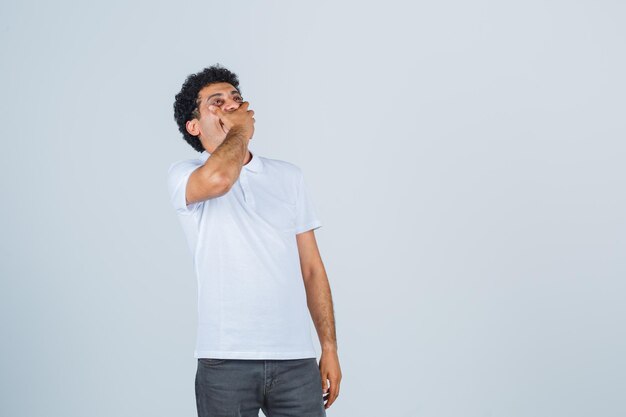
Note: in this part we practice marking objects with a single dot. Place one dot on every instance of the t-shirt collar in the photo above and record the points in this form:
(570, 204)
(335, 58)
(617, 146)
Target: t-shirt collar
(255, 164)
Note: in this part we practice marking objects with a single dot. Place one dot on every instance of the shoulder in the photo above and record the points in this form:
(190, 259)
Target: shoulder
(180, 168)
(184, 163)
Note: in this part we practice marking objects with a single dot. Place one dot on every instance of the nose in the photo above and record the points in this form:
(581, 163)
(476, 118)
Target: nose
(231, 105)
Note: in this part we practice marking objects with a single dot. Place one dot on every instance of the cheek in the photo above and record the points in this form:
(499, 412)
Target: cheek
(213, 122)
(217, 125)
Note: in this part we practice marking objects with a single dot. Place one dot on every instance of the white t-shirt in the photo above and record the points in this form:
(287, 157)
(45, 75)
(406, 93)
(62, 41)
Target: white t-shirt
(251, 295)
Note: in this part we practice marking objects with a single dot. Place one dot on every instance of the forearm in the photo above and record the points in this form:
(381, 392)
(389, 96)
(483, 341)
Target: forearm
(320, 304)
(228, 157)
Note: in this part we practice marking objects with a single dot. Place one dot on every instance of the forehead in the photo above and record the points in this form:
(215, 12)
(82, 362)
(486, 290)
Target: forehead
(224, 88)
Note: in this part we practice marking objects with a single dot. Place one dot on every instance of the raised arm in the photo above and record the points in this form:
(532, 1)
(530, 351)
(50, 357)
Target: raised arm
(222, 167)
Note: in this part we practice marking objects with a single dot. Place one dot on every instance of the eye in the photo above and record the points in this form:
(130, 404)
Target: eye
(240, 98)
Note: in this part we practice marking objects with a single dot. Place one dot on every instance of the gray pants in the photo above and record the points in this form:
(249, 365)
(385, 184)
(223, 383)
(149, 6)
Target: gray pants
(240, 387)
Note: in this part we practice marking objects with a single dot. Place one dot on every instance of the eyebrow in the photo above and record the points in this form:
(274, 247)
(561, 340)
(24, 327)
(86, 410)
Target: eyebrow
(219, 94)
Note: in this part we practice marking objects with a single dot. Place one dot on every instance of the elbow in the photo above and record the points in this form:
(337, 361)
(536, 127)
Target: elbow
(312, 273)
(215, 185)
(221, 182)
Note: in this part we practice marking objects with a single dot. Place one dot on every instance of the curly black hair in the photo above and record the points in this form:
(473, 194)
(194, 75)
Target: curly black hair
(186, 101)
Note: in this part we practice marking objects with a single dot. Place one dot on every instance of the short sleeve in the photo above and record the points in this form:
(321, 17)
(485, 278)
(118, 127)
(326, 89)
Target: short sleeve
(306, 216)
(177, 177)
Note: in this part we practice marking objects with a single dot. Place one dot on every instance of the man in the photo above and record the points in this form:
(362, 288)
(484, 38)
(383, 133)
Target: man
(249, 223)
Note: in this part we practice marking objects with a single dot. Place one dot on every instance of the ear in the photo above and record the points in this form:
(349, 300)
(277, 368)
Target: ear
(192, 127)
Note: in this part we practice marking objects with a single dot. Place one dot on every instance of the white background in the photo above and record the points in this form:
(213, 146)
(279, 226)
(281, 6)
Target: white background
(466, 160)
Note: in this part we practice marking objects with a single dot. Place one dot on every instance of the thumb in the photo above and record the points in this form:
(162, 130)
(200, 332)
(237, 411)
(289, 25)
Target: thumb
(324, 385)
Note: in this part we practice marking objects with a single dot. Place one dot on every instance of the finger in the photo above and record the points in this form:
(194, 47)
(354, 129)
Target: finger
(334, 392)
(330, 401)
(329, 396)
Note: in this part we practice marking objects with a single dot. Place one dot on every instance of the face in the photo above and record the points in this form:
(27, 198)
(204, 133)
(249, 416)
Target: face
(207, 125)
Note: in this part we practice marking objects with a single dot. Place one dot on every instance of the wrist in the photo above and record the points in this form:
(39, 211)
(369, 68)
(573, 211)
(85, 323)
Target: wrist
(329, 348)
